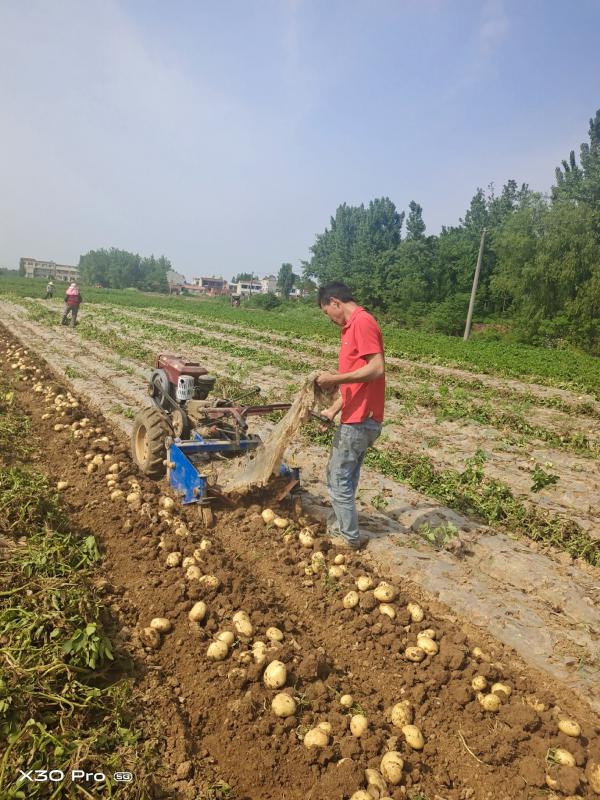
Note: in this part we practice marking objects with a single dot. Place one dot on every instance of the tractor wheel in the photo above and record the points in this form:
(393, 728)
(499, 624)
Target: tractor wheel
(150, 429)
(207, 516)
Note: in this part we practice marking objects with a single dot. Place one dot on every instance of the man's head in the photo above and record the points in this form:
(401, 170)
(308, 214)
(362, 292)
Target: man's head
(333, 298)
(73, 284)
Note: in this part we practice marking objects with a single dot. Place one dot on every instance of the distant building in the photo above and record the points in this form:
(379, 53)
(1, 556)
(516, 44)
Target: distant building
(32, 268)
(268, 284)
(212, 286)
(246, 288)
(175, 281)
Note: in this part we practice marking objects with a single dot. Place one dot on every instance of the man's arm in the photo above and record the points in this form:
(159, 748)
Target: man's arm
(373, 369)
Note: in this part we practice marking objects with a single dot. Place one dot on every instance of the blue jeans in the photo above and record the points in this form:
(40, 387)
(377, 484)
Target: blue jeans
(348, 449)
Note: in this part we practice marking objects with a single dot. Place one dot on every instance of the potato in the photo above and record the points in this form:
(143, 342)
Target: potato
(173, 559)
(275, 675)
(325, 727)
(374, 779)
(364, 583)
(259, 652)
(416, 612)
(391, 767)
(117, 494)
(350, 600)
(283, 705)
(198, 611)
(428, 632)
(414, 654)
(361, 795)
(205, 544)
(427, 644)
(501, 689)
(569, 727)
(274, 634)
(479, 683)
(339, 559)
(209, 582)
(562, 757)
(413, 737)
(387, 610)
(385, 592)
(317, 738)
(182, 530)
(134, 498)
(346, 701)
(161, 624)
(533, 702)
(336, 571)
(281, 522)
(358, 725)
(188, 561)
(268, 516)
(193, 573)
(592, 773)
(479, 655)
(167, 503)
(150, 637)
(226, 636)
(489, 702)
(217, 651)
(62, 485)
(306, 538)
(317, 561)
(402, 714)
(244, 627)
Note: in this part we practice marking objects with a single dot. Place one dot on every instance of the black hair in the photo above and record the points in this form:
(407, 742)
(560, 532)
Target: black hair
(334, 290)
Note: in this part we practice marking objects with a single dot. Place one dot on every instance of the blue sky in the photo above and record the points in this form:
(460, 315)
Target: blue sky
(225, 134)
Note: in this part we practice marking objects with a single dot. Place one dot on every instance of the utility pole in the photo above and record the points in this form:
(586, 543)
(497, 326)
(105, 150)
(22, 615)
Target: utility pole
(474, 289)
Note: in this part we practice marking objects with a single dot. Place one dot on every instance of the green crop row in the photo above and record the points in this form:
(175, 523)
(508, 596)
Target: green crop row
(565, 368)
(472, 492)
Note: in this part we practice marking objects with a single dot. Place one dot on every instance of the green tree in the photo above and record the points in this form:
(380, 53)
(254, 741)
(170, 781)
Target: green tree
(415, 227)
(286, 279)
(243, 276)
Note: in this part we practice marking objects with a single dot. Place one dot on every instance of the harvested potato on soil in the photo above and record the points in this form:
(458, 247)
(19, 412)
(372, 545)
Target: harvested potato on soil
(569, 727)
(283, 705)
(358, 725)
(364, 583)
(350, 600)
(489, 702)
(274, 634)
(275, 675)
(416, 612)
(150, 637)
(346, 701)
(387, 610)
(317, 738)
(385, 592)
(161, 624)
(402, 714)
(391, 767)
(268, 515)
(415, 654)
(217, 651)
(281, 522)
(198, 611)
(413, 737)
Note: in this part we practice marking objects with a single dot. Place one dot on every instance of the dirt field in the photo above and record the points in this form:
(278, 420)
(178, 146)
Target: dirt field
(212, 722)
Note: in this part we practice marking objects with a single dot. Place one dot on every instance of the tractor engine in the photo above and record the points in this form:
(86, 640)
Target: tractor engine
(175, 380)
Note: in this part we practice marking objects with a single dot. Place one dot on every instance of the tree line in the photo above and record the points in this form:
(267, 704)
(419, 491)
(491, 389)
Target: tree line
(118, 269)
(541, 262)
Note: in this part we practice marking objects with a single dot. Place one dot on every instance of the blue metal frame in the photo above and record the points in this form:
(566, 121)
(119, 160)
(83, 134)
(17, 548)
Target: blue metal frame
(184, 477)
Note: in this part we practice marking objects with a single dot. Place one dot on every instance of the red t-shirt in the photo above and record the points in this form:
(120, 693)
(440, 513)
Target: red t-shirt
(361, 337)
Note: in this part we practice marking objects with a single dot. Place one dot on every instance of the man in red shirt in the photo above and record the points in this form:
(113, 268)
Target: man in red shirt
(361, 381)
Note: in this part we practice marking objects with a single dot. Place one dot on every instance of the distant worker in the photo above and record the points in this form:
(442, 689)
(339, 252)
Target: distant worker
(361, 382)
(73, 300)
(49, 291)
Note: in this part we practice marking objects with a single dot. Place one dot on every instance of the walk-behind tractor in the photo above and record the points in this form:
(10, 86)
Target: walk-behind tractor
(183, 431)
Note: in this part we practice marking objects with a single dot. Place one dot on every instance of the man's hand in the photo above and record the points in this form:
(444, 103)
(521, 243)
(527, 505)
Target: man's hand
(327, 380)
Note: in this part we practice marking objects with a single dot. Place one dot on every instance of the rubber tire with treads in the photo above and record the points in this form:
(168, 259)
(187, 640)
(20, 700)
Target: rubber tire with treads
(150, 429)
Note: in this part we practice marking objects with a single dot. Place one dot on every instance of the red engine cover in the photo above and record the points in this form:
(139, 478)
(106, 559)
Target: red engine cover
(175, 366)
